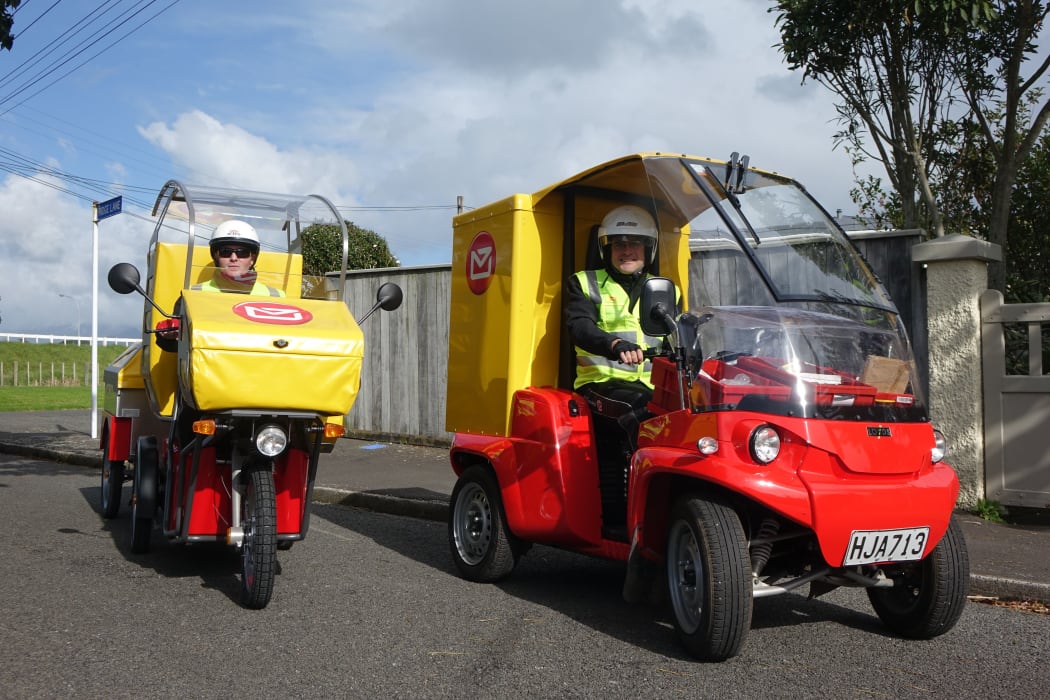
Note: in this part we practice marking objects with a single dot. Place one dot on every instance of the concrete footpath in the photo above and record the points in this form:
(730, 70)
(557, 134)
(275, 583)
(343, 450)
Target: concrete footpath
(1006, 561)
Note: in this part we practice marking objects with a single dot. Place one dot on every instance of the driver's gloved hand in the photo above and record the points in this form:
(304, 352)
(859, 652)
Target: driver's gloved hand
(622, 346)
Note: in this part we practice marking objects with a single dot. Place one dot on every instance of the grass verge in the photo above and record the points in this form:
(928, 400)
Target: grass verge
(45, 398)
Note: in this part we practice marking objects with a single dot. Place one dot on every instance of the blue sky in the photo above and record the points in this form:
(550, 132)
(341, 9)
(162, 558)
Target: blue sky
(388, 109)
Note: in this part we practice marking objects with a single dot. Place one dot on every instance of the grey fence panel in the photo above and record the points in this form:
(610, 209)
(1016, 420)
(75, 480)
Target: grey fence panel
(403, 378)
(1016, 407)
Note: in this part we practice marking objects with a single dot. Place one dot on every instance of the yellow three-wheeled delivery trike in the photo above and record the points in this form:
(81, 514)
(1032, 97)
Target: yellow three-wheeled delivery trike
(245, 372)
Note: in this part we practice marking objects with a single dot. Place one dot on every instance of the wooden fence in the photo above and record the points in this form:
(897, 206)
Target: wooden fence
(17, 373)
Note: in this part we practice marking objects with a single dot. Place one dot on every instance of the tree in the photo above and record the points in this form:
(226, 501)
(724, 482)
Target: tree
(7, 8)
(1009, 110)
(322, 248)
(890, 71)
(937, 87)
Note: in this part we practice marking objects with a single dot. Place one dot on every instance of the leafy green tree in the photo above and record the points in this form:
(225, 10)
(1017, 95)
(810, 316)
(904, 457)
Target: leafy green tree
(6, 20)
(936, 91)
(890, 66)
(322, 249)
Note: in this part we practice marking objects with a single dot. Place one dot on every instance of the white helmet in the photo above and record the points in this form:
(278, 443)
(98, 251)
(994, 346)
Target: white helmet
(629, 221)
(235, 231)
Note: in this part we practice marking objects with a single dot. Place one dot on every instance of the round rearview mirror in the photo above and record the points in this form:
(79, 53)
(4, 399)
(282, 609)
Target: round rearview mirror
(389, 296)
(123, 278)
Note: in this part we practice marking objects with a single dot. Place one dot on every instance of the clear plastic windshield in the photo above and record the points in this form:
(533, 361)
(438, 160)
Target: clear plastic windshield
(756, 238)
(794, 362)
(189, 214)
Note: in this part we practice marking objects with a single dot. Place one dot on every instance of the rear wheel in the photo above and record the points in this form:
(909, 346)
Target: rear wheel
(929, 595)
(112, 482)
(708, 578)
(481, 545)
(144, 503)
(259, 549)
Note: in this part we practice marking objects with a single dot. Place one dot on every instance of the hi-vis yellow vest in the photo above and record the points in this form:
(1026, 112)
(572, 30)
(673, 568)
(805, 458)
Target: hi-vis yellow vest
(614, 317)
(258, 289)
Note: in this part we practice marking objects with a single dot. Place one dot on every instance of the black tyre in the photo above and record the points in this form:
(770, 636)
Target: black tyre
(112, 483)
(708, 578)
(259, 549)
(144, 503)
(482, 548)
(929, 595)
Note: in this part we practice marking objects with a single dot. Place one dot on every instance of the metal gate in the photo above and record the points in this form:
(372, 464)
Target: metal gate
(1016, 404)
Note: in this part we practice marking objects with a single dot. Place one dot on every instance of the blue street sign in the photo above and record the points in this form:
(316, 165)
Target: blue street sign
(110, 207)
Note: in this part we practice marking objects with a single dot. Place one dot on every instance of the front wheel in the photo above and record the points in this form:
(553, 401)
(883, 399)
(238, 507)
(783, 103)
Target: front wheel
(112, 483)
(482, 548)
(929, 595)
(259, 549)
(708, 578)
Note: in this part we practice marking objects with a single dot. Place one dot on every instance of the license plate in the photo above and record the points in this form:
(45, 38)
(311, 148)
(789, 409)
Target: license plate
(879, 546)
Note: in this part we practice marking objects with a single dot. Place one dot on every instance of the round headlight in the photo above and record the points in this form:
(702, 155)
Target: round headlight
(940, 447)
(271, 441)
(764, 444)
(707, 445)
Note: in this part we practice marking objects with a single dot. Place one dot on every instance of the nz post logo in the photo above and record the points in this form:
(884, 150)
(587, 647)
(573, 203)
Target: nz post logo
(272, 313)
(481, 262)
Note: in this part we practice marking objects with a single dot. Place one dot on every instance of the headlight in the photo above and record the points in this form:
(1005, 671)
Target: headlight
(940, 447)
(764, 444)
(707, 445)
(271, 441)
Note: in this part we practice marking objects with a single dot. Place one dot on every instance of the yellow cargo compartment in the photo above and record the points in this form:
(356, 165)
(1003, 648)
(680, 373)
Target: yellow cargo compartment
(509, 261)
(262, 353)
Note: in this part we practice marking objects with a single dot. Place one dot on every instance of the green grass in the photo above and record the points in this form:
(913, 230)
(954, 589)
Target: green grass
(40, 359)
(45, 398)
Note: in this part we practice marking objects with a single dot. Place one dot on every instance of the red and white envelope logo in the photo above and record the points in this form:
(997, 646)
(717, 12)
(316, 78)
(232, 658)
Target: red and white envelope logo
(272, 313)
(481, 262)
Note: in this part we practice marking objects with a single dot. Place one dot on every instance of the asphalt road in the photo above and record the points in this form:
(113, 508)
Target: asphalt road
(368, 606)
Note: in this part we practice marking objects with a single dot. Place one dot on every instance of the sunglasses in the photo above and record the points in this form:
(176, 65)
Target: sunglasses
(239, 252)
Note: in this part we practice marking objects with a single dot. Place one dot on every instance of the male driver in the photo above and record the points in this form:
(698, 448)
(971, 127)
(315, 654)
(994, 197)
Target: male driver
(234, 249)
(602, 318)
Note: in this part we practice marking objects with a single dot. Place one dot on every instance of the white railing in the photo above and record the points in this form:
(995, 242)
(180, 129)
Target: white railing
(51, 339)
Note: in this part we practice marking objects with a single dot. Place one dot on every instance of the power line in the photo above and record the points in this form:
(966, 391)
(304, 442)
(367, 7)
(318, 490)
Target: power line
(110, 29)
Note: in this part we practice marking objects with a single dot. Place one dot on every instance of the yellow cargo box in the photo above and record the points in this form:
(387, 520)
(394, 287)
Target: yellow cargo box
(264, 353)
(509, 261)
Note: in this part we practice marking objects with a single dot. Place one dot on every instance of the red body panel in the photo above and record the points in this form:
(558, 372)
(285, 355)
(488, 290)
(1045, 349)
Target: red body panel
(211, 510)
(832, 477)
(119, 431)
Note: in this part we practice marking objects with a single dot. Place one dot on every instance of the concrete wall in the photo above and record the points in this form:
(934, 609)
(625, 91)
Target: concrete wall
(956, 276)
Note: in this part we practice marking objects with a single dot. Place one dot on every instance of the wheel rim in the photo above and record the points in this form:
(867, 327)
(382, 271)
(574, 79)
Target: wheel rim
(472, 525)
(906, 596)
(684, 572)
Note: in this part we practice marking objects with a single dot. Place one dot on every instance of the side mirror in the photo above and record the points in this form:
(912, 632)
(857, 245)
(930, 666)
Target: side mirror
(388, 298)
(658, 306)
(124, 279)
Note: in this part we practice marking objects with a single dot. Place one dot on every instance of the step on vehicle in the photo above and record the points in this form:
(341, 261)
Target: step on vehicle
(219, 416)
(787, 444)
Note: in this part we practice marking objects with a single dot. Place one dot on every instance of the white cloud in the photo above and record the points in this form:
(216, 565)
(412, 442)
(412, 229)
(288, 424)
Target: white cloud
(381, 104)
